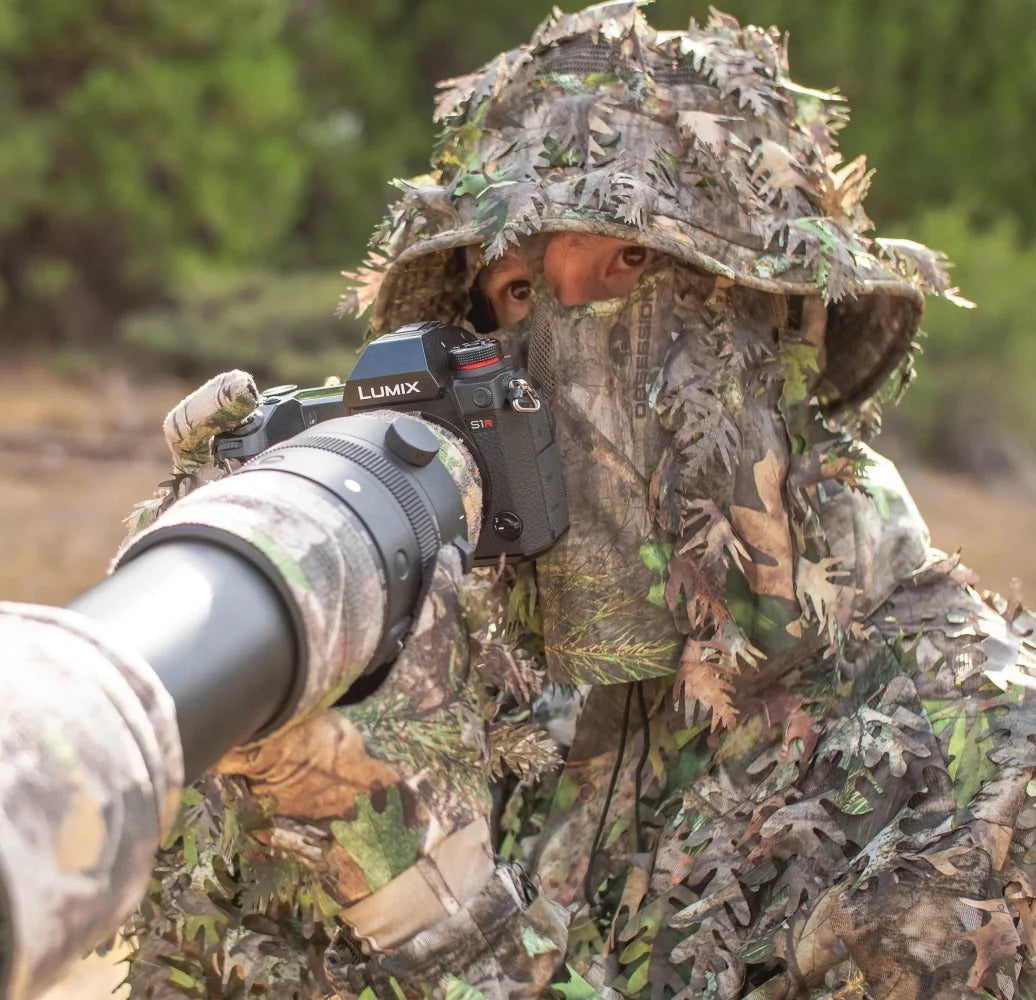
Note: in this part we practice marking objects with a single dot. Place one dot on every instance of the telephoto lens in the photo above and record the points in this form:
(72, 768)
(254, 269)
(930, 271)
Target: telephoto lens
(253, 599)
(275, 588)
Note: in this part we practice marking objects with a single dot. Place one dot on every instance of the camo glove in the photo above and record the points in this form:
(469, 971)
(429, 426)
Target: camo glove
(221, 404)
(373, 813)
(386, 799)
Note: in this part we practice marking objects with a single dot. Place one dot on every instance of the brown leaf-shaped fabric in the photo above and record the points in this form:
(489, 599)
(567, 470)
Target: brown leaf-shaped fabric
(766, 531)
(314, 770)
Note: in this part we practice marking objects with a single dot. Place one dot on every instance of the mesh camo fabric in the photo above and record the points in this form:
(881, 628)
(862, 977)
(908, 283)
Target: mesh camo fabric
(825, 790)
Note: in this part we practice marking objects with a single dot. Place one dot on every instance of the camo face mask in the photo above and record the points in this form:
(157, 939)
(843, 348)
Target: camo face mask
(604, 614)
(667, 404)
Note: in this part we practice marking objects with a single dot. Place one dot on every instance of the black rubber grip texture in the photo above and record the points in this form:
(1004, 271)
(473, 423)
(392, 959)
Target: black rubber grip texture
(476, 352)
(418, 513)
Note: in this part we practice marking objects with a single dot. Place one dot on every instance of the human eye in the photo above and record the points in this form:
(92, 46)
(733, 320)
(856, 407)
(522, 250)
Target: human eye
(518, 290)
(508, 289)
(633, 256)
(623, 269)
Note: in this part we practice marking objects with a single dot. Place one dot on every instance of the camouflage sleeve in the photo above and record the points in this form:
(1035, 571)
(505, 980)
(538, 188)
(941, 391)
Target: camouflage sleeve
(503, 944)
(372, 813)
(292, 834)
(90, 776)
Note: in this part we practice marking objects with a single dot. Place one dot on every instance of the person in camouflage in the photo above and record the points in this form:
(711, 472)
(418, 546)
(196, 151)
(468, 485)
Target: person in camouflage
(797, 743)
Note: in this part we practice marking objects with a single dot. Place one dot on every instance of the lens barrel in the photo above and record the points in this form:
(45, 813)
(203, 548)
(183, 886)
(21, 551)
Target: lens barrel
(255, 596)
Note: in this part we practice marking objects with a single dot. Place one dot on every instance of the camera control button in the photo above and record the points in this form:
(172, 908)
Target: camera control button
(475, 354)
(411, 441)
(507, 525)
(482, 397)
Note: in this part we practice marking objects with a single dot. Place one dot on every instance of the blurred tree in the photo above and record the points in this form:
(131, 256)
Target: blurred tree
(157, 149)
(369, 76)
(973, 405)
(279, 326)
(141, 136)
(151, 138)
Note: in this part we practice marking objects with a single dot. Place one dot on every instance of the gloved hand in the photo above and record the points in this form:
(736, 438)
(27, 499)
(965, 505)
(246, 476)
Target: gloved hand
(391, 787)
(221, 404)
(384, 800)
(387, 799)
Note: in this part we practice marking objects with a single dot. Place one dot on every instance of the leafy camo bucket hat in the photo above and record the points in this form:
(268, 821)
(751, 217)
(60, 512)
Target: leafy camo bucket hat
(693, 143)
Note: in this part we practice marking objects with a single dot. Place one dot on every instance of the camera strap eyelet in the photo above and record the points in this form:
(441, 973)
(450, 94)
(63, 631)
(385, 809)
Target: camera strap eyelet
(522, 396)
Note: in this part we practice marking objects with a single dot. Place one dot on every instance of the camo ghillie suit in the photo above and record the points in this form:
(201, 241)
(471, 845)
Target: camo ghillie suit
(797, 740)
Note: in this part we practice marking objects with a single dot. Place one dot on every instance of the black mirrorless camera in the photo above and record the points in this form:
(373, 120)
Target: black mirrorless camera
(468, 386)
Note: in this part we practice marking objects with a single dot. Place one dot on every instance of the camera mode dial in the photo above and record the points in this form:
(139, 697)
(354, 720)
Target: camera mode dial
(475, 354)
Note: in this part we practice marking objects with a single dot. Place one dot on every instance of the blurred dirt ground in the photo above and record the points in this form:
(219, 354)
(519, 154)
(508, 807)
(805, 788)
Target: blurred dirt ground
(93, 978)
(77, 453)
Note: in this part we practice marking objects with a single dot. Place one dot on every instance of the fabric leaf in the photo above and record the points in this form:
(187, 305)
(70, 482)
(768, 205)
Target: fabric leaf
(524, 749)
(767, 531)
(700, 678)
(822, 593)
(707, 130)
(996, 942)
(970, 738)
(379, 841)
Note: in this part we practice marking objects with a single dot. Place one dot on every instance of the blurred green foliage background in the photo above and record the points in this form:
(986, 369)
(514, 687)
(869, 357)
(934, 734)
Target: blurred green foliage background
(183, 179)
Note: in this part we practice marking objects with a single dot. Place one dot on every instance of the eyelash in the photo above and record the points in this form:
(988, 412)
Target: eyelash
(637, 251)
(518, 285)
(520, 289)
